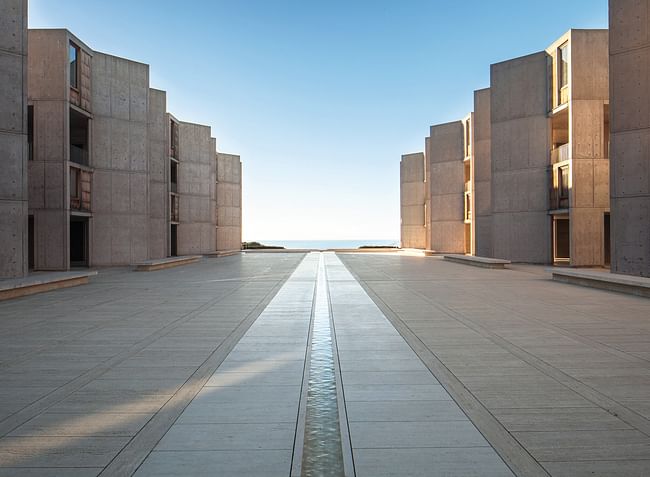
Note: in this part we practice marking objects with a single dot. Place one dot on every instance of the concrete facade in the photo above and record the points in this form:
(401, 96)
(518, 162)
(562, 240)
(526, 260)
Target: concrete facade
(115, 179)
(120, 149)
(196, 189)
(520, 135)
(579, 112)
(629, 43)
(446, 188)
(412, 201)
(482, 169)
(56, 105)
(13, 139)
(229, 202)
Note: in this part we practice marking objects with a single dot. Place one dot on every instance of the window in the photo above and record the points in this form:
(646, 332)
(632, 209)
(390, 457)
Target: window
(174, 176)
(563, 61)
(563, 182)
(74, 66)
(75, 193)
(30, 131)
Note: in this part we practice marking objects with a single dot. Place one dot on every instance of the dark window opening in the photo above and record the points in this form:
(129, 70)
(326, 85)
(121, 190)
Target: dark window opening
(79, 138)
(563, 58)
(78, 242)
(563, 182)
(74, 66)
(30, 131)
(174, 176)
(607, 239)
(562, 240)
(30, 241)
(174, 240)
(173, 140)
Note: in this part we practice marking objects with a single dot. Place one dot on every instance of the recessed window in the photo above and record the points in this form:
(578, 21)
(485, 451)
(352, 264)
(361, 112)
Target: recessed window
(563, 182)
(563, 61)
(30, 131)
(74, 66)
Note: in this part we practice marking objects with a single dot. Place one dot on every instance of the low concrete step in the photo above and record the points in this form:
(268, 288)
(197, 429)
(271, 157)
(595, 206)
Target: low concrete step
(603, 280)
(163, 263)
(483, 262)
(40, 282)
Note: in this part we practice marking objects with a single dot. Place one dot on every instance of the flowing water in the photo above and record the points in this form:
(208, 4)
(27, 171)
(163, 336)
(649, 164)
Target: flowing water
(322, 452)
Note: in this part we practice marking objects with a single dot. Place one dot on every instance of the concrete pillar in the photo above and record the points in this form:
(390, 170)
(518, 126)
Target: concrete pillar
(446, 187)
(13, 139)
(158, 174)
(629, 41)
(521, 228)
(229, 206)
(412, 201)
(482, 173)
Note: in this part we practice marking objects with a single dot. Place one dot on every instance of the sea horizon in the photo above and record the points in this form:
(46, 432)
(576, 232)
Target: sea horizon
(329, 244)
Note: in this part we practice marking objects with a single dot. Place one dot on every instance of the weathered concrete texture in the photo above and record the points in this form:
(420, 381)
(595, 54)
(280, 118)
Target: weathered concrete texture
(158, 174)
(120, 157)
(589, 194)
(197, 190)
(49, 93)
(446, 187)
(629, 23)
(412, 201)
(229, 204)
(562, 369)
(13, 138)
(482, 166)
(520, 148)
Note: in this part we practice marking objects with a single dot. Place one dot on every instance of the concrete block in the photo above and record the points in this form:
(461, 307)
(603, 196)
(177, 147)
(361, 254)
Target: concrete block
(12, 102)
(13, 179)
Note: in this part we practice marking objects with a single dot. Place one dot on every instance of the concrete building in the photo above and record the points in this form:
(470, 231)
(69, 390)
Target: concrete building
(412, 201)
(229, 202)
(525, 176)
(114, 179)
(629, 42)
(579, 117)
(520, 132)
(445, 162)
(14, 150)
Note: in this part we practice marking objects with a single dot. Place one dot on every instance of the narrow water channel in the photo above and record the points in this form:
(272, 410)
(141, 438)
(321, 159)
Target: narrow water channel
(322, 452)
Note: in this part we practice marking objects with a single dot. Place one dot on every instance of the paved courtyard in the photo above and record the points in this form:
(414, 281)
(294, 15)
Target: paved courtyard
(439, 369)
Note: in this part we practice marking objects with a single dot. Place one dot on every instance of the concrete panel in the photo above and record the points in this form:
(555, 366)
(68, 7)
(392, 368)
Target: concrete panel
(482, 167)
(589, 64)
(520, 145)
(446, 187)
(13, 138)
(587, 236)
(412, 200)
(629, 39)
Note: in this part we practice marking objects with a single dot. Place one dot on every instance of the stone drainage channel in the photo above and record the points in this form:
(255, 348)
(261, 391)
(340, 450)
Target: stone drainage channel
(322, 410)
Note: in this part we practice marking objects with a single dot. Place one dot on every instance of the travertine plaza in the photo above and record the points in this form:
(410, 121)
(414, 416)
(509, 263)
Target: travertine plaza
(182, 355)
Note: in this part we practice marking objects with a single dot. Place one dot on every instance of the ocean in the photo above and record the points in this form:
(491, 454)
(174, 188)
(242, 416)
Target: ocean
(327, 244)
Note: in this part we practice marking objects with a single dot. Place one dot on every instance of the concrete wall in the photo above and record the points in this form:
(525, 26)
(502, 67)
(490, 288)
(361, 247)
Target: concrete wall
(446, 187)
(13, 138)
(120, 98)
(520, 148)
(48, 88)
(589, 196)
(629, 41)
(196, 189)
(229, 206)
(158, 174)
(482, 215)
(412, 201)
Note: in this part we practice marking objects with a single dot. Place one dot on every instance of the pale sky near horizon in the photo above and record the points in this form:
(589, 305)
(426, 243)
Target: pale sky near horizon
(320, 99)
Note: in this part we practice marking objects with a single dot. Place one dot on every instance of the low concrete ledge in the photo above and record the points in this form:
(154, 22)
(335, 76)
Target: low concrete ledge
(163, 263)
(42, 282)
(483, 262)
(222, 253)
(603, 280)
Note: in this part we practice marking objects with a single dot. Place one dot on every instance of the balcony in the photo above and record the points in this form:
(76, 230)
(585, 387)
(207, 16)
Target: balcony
(561, 154)
(80, 188)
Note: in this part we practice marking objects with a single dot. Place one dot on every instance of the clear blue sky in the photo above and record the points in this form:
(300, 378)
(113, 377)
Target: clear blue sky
(320, 98)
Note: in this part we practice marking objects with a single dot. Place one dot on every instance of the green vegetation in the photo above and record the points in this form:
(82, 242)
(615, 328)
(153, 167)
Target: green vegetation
(379, 246)
(259, 246)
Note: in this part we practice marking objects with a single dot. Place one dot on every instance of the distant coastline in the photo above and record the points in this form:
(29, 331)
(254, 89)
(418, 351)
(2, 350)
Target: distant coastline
(327, 244)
